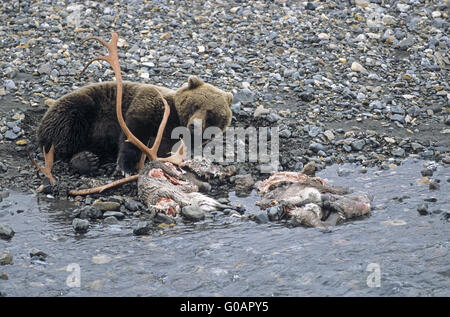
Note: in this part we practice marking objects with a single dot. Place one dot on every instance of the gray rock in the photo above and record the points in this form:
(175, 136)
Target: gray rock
(426, 172)
(142, 228)
(261, 217)
(193, 213)
(6, 232)
(163, 218)
(80, 225)
(315, 147)
(111, 220)
(117, 214)
(6, 258)
(358, 145)
(406, 42)
(422, 209)
(245, 97)
(90, 212)
(285, 133)
(131, 204)
(10, 135)
(36, 253)
(227, 211)
(399, 152)
(397, 110)
(45, 69)
(10, 84)
(274, 213)
(398, 117)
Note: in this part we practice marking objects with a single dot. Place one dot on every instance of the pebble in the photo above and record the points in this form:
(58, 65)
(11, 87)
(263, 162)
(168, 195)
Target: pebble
(80, 225)
(6, 232)
(10, 84)
(89, 212)
(40, 255)
(422, 209)
(111, 220)
(261, 217)
(142, 228)
(357, 67)
(244, 183)
(6, 258)
(10, 135)
(106, 205)
(193, 213)
(131, 204)
(116, 214)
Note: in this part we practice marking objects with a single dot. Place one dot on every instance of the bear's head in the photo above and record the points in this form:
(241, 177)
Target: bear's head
(203, 103)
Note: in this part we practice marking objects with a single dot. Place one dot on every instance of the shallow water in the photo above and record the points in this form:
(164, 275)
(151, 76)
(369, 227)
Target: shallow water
(226, 256)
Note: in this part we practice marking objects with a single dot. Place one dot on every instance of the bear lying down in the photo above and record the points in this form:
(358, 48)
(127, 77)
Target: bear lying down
(85, 121)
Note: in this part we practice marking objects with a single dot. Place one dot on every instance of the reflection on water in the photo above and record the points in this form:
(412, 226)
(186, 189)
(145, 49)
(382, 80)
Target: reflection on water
(228, 256)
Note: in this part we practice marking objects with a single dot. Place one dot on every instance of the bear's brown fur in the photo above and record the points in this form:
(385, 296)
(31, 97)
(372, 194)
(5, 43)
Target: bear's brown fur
(85, 120)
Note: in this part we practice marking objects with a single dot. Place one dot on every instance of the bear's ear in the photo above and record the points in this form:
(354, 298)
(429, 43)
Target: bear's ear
(229, 97)
(194, 82)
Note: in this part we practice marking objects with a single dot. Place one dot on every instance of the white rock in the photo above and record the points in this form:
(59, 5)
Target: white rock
(436, 14)
(357, 67)
(260, 110)
(323, 36)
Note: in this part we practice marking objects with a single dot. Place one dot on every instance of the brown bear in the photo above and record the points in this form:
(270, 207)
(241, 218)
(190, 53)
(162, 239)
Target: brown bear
(85, 121)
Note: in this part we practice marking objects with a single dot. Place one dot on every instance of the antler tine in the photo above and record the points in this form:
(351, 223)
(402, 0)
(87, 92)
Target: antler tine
(102, 58)
(48, 159)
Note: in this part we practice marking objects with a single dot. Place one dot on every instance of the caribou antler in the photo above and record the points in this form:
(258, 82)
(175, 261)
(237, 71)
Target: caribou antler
(113, 59)
(176, 158)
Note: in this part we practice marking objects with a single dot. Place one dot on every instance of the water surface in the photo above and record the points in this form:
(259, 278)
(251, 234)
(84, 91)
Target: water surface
(226, 256)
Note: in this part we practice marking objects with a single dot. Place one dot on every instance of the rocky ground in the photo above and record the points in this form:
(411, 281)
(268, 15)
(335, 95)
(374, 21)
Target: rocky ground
(361, 81)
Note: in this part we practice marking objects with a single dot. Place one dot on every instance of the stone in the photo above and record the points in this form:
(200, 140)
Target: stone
(398, 117)
(193, 213)
(40, 255)
(131, 204)
(274, 213)
(111, 220)
(116, 214)
(358, 145)
(260, 110)
(90, 212)
(10, 84)
(323, 36)
(422, 209)
(6, 258)
(10, 135)
(106, 205)
(426, 172)
(357, 67)
(80, 225)
(244, 183)
(142, 228)
(399, 152)
(6, 232)
(434, 185)
(329, 134)
(261, 217)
